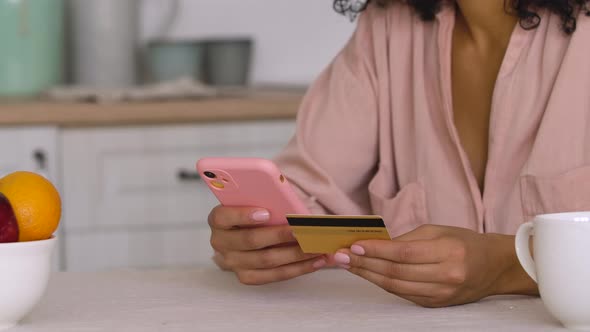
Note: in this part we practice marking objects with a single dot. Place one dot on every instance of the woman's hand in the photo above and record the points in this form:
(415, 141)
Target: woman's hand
(257, 255)
(436, 266)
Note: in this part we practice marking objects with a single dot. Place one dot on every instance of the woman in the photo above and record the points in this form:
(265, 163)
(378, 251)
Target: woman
(456, 121)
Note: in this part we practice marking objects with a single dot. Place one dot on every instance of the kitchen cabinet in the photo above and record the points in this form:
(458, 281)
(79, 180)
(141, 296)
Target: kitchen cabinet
(134, 198)
(33, 149)
(29, 148)
(131, 196)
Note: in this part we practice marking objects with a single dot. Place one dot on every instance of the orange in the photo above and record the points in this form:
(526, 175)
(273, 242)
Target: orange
(35, 202)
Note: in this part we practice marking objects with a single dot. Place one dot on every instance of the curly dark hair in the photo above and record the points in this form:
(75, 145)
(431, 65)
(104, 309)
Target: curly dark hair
(524, 9)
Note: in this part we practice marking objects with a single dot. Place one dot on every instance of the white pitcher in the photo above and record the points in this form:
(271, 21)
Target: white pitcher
(105, 41)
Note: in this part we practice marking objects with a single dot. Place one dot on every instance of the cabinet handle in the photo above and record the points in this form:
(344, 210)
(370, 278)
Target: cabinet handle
(41, 159)
(185, 175)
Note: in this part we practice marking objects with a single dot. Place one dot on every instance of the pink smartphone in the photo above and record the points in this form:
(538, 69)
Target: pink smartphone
(251, 182)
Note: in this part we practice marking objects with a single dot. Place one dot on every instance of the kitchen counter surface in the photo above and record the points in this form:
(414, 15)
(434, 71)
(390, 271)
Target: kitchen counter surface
(206, 299)
(252, 106)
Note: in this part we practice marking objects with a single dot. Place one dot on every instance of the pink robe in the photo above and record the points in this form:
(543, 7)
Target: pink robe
(375, 132)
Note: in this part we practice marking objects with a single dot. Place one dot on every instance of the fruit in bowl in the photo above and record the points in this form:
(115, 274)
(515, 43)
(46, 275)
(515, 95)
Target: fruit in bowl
(8, 224)
(30, 207)
(30, 211)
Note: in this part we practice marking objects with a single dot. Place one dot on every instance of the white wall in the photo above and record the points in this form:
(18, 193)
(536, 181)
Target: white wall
(295, 39)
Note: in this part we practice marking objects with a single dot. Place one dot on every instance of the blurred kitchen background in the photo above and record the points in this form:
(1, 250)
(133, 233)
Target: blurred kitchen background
(115, 101)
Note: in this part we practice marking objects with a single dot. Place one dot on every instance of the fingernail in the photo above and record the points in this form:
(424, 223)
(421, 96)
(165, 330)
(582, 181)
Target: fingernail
(341, 258)
(319, 264)
(357, 250)
(260, 216)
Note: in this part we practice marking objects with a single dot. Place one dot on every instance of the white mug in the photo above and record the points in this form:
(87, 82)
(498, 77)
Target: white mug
(561, 264)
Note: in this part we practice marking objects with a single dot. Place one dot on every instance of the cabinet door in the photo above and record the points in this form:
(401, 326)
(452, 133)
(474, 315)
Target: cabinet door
(135, 189)
(31, 149)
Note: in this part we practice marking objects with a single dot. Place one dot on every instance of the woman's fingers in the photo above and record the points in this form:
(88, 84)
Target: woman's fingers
(409, 272)
(285, 272)
(266, 258)
(226, 217)
(245, 239)
(407, 252)
(405, 288)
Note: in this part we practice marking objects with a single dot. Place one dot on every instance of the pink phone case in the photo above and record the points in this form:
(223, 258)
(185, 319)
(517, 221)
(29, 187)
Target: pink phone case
(251, 182)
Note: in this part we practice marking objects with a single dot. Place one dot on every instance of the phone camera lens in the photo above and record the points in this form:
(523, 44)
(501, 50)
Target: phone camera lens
(210, 175)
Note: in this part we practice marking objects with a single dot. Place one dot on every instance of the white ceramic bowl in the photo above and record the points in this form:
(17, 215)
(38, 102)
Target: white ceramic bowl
(24, 272)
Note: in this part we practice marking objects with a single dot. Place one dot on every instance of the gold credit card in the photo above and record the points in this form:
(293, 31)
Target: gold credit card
(326, 234)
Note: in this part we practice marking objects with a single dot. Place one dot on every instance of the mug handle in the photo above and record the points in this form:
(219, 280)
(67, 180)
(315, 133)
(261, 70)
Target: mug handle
(523, 252)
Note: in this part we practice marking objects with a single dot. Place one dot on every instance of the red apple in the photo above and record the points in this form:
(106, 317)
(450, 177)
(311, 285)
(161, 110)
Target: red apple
(8, 224)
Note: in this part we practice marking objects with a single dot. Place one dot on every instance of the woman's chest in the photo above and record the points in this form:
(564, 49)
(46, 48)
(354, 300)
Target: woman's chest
(538, 139)
(473, 78)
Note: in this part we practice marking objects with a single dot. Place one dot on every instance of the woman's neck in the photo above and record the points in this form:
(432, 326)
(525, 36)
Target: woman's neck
(486, 22)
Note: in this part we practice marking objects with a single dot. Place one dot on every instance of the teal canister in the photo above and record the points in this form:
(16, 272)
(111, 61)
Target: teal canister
(31, 46)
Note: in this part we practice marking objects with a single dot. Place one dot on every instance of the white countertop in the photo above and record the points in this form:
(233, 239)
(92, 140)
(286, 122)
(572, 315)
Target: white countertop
(210, 300)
